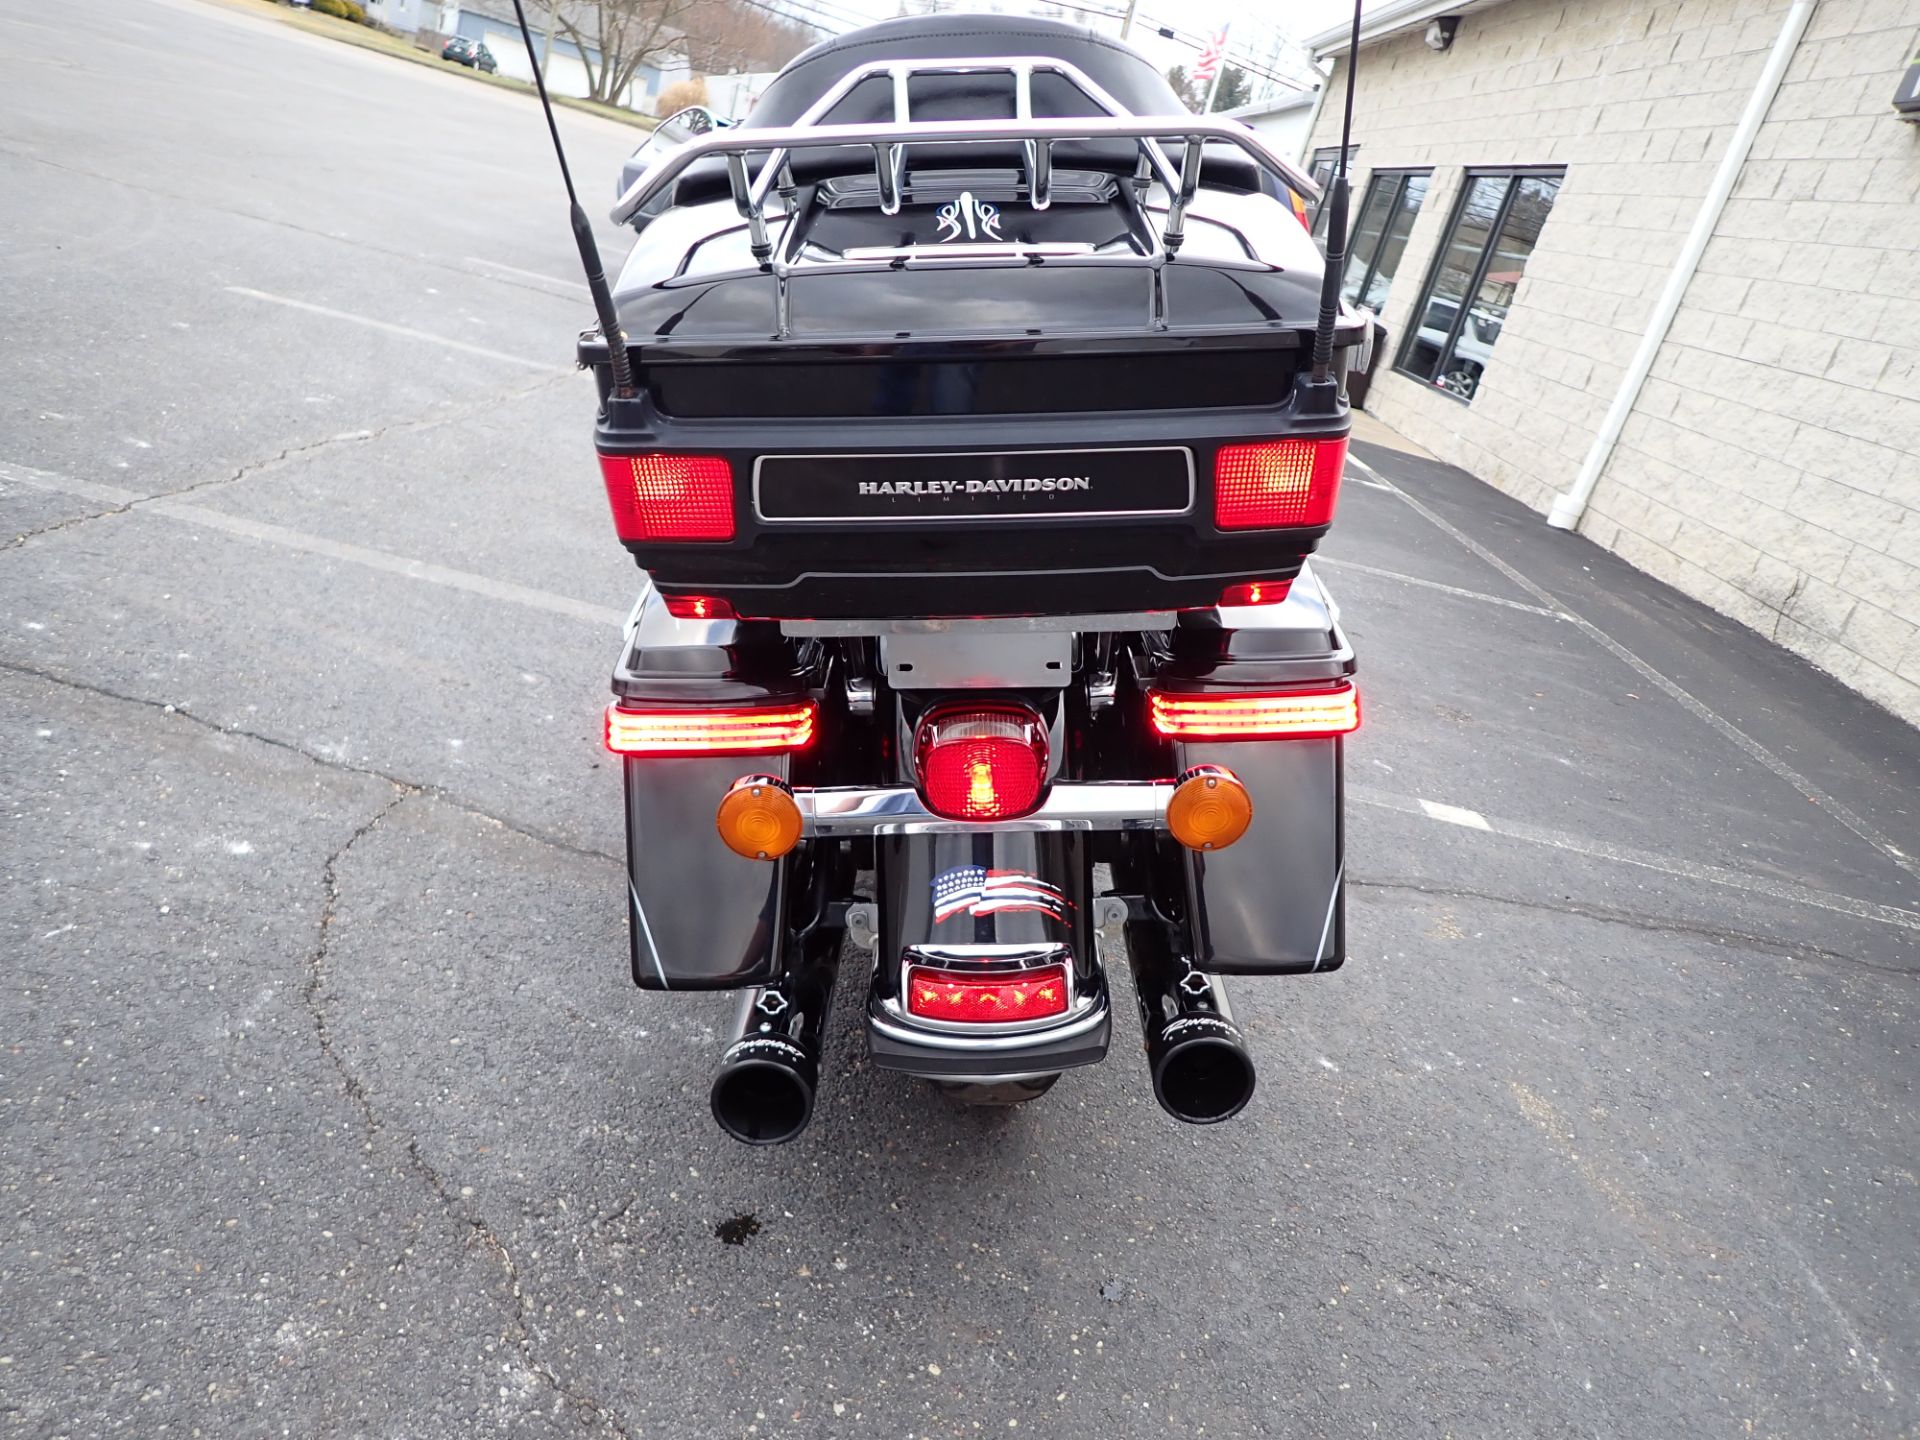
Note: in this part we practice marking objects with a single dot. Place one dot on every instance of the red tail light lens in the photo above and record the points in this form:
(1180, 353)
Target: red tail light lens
(709, 732)
(670, 497)
(698, 607)
(1277, 483)
(982, 763)
(986, 999)
(1287, 715)
(1254, 592)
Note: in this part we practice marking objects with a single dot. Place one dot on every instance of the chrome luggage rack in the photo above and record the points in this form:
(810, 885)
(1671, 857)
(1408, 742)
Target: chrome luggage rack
(752, 185)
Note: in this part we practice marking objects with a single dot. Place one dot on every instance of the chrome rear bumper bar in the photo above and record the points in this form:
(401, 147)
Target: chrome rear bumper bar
(829, 814)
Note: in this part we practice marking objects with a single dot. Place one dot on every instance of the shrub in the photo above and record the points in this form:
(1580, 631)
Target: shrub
(342, 10)
(677, 96)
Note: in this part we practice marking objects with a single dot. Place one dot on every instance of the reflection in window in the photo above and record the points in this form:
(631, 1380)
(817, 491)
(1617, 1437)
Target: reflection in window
(1472, 284)
(1380, 236)
(1325, 163)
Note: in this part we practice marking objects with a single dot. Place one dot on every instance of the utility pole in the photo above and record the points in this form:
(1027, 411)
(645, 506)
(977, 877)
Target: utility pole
(1126, 25)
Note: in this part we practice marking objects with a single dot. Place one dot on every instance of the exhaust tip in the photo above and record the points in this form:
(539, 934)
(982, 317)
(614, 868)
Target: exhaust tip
(761, 1102)
(1204, 1079)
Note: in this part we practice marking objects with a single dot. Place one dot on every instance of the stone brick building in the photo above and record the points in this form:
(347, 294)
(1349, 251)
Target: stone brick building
(1527, 175)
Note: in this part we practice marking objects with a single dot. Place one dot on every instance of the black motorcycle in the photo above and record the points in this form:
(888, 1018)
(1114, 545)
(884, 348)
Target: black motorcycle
(973, 412)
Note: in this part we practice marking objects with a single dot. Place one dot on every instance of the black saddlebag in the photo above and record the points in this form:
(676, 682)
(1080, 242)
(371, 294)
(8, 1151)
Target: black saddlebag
(702, 917)
(1274, 902)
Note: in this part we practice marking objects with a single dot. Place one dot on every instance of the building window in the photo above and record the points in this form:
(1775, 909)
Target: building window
(1470, 289)
(1380, 235)
(1325, 162)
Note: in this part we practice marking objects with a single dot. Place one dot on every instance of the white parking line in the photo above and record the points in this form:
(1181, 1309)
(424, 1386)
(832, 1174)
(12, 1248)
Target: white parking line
(406, 331)
(1455, 815)
(576, 287)
(187, 513)
(1643, 859)
(1699, 709)
(1445, 589)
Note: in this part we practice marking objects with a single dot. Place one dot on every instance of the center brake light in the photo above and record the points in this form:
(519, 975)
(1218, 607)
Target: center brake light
(981, 762)
(986, 999)
(709, 731)
(1272, 715)
(1277, 484)
(670, 497)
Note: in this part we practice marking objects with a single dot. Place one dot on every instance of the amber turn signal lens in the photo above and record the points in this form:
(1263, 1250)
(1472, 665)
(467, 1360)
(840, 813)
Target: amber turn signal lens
(758, 818)
(1210, 808)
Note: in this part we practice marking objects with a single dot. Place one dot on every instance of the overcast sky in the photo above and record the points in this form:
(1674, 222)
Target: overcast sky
(1303, 17)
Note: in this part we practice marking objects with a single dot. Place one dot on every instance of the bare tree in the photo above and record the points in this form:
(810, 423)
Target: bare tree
(616, 38)
(737, 36)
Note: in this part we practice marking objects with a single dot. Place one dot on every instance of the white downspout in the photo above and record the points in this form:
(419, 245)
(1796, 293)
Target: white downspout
(1568, 508)
(1313, 120)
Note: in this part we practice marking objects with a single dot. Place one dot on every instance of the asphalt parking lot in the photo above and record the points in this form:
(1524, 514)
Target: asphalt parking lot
(327, 1109)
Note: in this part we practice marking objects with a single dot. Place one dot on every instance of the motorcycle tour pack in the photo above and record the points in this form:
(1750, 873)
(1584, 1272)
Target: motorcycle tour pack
(973, 411)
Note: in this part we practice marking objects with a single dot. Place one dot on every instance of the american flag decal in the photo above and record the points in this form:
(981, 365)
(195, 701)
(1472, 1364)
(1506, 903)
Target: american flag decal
(976, 890)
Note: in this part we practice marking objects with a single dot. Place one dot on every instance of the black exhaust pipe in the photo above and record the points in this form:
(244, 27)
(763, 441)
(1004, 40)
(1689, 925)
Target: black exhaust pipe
(764, 1086)
(1202, 1068)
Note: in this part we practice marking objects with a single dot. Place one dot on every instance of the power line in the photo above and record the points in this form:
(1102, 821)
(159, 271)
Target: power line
(1199, 42)
(828, 14)
(815, 12)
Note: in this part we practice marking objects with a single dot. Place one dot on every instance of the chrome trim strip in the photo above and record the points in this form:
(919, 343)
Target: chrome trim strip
(898, 810)
(885, 1020)
(1184, 451)
(1008, 625)
(640, 914)
(1334, 899)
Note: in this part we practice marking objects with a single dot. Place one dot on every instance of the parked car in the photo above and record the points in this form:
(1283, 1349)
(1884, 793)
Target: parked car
(471, 53)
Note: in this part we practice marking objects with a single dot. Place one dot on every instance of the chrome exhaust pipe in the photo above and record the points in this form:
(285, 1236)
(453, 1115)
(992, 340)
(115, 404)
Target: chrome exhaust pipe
(763, 1088)
(1202, 1069)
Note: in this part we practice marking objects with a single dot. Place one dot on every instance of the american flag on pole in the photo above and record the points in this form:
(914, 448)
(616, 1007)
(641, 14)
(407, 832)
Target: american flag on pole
(1211, 58)
(976, 890)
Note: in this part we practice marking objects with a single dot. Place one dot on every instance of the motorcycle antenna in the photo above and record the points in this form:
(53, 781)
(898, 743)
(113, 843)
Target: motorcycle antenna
(617, 360)
(1321, 394)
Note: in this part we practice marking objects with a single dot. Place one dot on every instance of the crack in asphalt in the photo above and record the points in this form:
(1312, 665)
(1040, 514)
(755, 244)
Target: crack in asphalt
(589, 1410)
(424, 789)
(291, 453)
(1652, 925)
(427, 790)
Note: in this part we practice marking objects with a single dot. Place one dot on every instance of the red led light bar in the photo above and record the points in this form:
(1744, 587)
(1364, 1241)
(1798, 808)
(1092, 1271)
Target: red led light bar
(986, 999)
(1282, 715)
(709, 731)
(1276, 484)
(670, 497)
